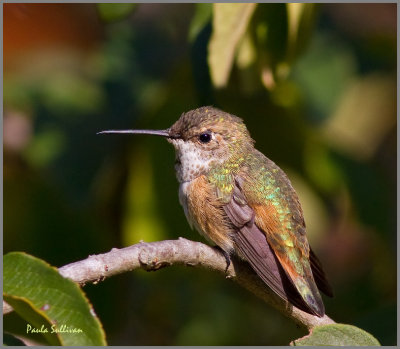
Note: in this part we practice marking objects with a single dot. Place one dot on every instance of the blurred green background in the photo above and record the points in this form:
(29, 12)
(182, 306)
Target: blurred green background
(316, 86)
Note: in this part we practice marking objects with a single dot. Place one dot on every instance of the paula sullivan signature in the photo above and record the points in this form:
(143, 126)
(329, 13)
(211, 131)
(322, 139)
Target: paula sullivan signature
(53, 329)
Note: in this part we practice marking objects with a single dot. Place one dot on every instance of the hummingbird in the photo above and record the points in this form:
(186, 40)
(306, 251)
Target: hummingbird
(242, 202)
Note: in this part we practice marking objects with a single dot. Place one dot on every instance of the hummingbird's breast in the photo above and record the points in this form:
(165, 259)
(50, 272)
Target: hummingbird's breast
(204, 211)
(205, 185)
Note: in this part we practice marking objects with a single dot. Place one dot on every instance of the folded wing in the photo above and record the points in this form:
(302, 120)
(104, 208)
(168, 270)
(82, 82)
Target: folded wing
(251, 243)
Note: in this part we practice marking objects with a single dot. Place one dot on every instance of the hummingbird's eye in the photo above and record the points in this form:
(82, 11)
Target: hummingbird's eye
(205, 137)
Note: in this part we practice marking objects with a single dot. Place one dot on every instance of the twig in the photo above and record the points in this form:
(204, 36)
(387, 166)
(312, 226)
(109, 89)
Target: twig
(155, 255)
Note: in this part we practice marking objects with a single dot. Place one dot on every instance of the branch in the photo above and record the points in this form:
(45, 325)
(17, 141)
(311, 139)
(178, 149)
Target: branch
(155, 255)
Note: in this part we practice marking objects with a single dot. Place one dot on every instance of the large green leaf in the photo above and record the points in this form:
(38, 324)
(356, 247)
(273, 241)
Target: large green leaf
(230, 22)
(49, 302)
(337, 334)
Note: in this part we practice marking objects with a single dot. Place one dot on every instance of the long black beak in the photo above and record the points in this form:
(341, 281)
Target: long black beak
(164, 133)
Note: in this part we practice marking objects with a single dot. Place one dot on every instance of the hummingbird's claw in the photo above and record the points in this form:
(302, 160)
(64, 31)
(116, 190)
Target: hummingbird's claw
(227, 257)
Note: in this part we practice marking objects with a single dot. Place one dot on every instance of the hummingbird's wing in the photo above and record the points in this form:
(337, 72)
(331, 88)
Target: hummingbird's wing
(281, 261)
(252, 245)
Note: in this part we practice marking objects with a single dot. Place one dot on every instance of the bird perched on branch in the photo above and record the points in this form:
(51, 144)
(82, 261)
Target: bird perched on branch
(244, 203)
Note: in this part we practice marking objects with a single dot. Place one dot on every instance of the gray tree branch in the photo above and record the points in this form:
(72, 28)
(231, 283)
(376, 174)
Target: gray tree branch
(155, 255)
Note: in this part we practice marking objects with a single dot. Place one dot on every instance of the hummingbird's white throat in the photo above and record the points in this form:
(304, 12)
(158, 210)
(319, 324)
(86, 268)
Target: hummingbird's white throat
(191, 160)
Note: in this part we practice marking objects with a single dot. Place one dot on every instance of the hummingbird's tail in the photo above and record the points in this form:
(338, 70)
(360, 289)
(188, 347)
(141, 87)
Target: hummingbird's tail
(310, 295)
(251, 245)
(319, 275)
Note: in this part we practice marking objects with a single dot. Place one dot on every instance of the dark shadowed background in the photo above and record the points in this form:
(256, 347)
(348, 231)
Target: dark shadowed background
(325, 112)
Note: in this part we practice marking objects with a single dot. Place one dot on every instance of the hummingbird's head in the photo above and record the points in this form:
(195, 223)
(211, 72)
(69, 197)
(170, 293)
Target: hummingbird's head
(205, 137)
(202, 138)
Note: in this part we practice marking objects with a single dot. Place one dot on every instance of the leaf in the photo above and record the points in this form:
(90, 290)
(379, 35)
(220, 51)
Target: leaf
(200, 19)
(230, 22)
(338, 335)
(115, 12)
(270, 32)
(301, 20)
(326, 59)
(246, 52)
(16, 326)
(140, 219)
(10, 340)
(49, 302)
(38, 326)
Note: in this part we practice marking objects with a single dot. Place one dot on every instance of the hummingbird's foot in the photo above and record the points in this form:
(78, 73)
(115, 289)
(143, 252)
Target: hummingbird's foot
(227, 257)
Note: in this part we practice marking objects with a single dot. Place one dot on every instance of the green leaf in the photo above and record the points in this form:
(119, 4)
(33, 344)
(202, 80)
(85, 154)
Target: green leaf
(38, 326)
(9, 340)
(338, 335)
(72, 93)
(269, 29)
(326, 59)
(49, 302)
(230, 22)
(115, 12)
(200, 19)
(45, 147)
